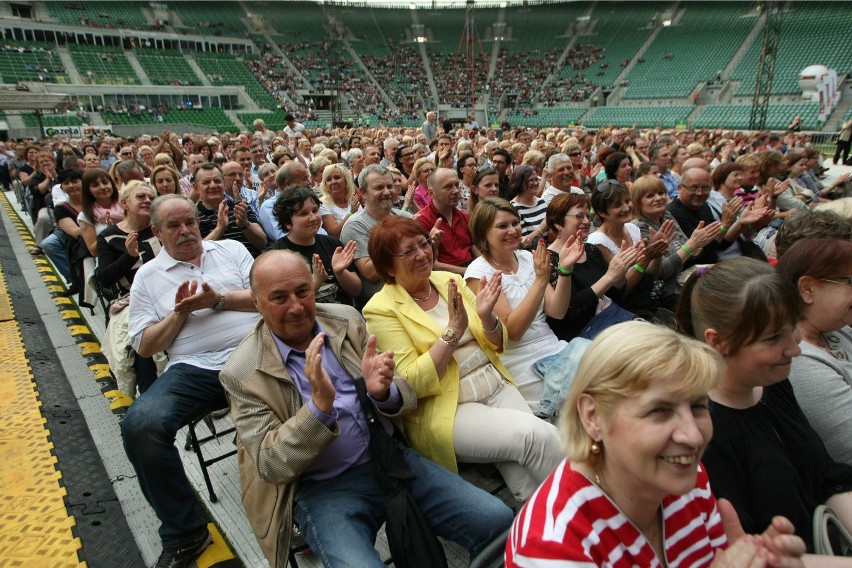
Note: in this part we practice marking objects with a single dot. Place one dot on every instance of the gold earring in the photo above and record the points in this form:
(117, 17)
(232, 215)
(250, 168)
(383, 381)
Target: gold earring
(596, 447)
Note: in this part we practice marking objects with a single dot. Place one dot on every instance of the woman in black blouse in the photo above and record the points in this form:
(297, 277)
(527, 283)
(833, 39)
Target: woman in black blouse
(122, 249)
(593, 277)
(764, 456)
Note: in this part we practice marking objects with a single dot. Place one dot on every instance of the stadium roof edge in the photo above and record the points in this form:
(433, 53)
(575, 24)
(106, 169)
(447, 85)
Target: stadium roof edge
(443, 4)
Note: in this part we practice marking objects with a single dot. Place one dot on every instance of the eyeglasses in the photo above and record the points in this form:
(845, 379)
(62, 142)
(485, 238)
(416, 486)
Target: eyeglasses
(697, 188)
(498, 163)
(409, 254)
(575, 154)
(470, 165)
(406, 155)
(126, 154)
(580, 216)
(847, 280)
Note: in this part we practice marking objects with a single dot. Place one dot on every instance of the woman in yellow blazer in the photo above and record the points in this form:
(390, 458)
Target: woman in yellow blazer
(446, 342)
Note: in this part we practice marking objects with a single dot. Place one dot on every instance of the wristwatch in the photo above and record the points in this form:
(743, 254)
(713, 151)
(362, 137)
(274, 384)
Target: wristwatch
(449, 337)
(220, 305)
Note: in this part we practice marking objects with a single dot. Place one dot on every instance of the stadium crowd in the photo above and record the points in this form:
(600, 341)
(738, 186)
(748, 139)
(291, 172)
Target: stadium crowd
(483, 282)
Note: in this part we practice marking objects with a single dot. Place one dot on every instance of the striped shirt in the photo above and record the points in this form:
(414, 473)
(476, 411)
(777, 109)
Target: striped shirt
(531, 215)
(570, 522)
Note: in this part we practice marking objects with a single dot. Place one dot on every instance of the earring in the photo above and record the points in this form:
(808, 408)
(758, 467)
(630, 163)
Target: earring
(596, 447)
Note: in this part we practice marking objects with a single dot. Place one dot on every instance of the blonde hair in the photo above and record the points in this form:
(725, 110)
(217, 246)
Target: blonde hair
(842, 207)
(132, 186)
(642, 187)
(533, 158)
(622, 363)
(347, 177)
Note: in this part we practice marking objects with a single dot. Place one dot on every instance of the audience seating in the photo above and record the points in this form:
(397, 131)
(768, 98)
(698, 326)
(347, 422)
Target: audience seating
(547, 117)
(778, 116)
(103, 65)
(811, 33)
(101, 14)
(696, 50)
(166, 67)
(642, 117)
(30, 61)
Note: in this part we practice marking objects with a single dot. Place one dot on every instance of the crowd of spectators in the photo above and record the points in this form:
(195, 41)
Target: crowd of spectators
(628, 216)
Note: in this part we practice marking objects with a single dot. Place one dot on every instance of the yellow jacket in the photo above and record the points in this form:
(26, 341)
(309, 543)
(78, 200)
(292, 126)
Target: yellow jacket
(400, 325)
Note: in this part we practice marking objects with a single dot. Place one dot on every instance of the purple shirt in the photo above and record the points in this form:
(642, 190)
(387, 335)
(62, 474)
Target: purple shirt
(351, 447)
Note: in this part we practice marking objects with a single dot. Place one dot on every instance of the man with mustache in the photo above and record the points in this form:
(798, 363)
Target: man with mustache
(193, 301)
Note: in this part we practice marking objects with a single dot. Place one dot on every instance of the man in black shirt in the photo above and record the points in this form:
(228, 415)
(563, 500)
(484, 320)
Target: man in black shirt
(225, 217)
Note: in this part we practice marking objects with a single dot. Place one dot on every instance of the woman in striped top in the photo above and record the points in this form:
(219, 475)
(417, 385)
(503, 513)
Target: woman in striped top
(532, 208)
(636, 423)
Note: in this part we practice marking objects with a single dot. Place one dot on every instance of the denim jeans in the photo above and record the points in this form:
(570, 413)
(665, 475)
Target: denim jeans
(340, 517)
(149, 428)
(54, 248)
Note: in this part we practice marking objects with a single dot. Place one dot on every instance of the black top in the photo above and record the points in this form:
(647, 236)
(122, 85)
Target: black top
(65, 211)
(38, 199)
(324, 245)
(767, 460)
(115, 265)
(688, 220)
(209, 218)
(584, 301)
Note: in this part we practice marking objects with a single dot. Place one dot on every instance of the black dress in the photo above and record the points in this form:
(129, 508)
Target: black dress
(767, 460)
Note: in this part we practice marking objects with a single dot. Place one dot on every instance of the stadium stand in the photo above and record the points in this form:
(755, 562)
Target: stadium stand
(225, 69)
(68, 119)
(166, 67)
(206, 118)
(103, 65)
(198, 18)
(812, 32)
(642, 117)
(30, 61)
(101, 14)
(548, 117)
(778, 116)
(682, 56)
(620, 30)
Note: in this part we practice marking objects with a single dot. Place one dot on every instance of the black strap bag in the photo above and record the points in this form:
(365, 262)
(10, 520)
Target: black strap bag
(411, 540)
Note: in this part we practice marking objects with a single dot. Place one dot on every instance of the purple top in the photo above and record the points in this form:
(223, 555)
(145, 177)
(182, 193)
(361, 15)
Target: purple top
(351, 447)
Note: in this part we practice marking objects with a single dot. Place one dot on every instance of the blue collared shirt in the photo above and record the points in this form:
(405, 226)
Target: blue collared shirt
(351, 447)
(671, 183)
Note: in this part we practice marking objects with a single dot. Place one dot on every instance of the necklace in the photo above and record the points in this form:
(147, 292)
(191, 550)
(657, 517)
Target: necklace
(426, 299)
(503, 269)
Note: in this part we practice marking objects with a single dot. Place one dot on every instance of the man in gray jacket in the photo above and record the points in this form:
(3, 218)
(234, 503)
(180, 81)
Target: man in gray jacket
(303, 439)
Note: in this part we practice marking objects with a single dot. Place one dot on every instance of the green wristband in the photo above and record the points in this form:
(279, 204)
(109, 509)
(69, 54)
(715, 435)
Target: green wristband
(723, 228)
(686, 249)
(639, 269)
(564, 271)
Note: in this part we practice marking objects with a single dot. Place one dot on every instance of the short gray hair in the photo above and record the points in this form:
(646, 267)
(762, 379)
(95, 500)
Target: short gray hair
(161, 200)
(371, 169)
(555, 159)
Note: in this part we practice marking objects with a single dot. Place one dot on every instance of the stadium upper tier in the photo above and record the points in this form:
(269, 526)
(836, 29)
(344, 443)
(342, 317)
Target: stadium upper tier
(532, 63)
(811, 33)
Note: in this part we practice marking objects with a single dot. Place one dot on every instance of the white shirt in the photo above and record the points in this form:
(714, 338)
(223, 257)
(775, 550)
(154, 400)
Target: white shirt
(550, 192)
(58, 195)
(207, 338)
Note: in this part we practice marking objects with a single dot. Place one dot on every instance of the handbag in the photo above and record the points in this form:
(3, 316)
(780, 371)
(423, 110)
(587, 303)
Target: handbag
(411, 541)
(830, 537)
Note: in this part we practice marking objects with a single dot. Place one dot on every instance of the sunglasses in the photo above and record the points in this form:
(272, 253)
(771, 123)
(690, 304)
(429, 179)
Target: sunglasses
(608, 184)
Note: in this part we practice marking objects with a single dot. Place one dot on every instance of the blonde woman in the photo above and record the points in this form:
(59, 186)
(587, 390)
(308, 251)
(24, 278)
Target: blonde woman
(339, 200)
